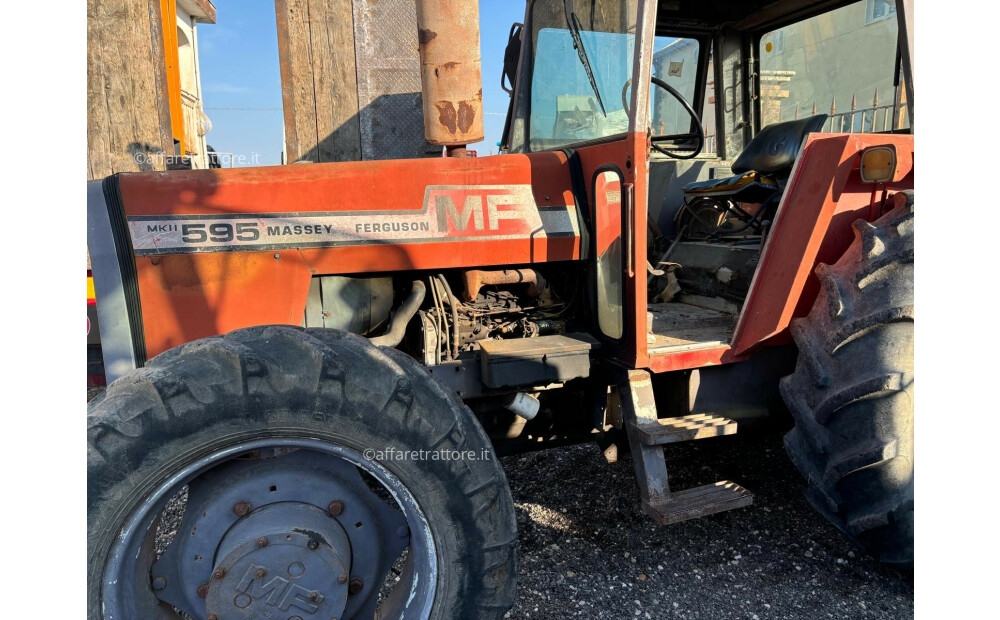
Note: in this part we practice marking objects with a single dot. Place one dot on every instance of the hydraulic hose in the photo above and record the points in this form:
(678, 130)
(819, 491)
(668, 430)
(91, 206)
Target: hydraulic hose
(453, 302)
(397, 327)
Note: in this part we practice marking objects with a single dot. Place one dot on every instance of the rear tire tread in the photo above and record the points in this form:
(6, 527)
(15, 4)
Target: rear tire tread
(851, 392)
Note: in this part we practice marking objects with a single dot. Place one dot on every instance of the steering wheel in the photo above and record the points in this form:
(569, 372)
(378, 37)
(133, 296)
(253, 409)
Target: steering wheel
(681, 150)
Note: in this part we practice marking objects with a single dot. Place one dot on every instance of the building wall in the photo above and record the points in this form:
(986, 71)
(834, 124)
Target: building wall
(196, 123)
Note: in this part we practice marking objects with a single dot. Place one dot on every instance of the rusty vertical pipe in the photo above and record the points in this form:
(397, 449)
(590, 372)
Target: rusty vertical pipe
(451, 73)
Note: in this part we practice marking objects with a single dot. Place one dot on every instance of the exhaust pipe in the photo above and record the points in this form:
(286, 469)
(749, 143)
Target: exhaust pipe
(451, 73)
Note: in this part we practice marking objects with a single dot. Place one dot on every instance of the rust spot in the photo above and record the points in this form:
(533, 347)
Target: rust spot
(425, 36)
(447, 115)
(466, 115)
(449, 65)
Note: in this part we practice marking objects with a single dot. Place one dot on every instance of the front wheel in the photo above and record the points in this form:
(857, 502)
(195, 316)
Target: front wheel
(318, 476)
(852, 390)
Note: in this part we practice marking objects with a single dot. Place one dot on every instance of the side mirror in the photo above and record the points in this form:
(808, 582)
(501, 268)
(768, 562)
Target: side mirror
(510, 58)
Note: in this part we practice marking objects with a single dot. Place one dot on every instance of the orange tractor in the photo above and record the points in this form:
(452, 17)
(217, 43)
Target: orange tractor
(319, 363)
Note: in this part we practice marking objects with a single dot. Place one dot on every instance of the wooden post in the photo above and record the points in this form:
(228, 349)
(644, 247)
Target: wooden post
(128, 113)
(318, 80)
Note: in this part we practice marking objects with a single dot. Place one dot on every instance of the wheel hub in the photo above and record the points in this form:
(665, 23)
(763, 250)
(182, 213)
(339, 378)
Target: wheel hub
(282, 560)
(304, 516)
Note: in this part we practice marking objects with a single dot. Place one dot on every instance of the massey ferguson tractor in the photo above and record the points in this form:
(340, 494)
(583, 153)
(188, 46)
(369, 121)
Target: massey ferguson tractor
(319, 363)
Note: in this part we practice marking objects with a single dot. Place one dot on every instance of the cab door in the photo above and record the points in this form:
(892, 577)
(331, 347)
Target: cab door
(582, 89)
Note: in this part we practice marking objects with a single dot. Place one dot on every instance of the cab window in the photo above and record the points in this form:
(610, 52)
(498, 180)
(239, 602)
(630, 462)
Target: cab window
(568, 105)
(675, 61)
(841, 63)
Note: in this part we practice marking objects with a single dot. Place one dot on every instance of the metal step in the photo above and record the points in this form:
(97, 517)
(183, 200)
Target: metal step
(646, 435)
(686, 428)
(698, 502)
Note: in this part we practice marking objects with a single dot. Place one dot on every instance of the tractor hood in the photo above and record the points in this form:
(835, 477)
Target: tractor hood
(186, 254)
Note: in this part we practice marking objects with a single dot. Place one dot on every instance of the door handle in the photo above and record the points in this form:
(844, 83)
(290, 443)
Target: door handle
(629, 198)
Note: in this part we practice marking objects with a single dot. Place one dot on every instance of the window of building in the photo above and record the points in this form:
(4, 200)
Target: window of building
(879, 9)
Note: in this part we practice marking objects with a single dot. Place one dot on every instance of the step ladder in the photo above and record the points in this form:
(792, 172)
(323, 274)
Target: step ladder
(647, 435)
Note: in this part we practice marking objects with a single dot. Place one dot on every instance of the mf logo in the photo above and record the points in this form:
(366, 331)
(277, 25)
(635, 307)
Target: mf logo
(483, 208)
(277, 591)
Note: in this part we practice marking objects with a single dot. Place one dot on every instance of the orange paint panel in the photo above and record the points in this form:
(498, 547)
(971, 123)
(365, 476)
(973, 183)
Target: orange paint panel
(628, 155)
(823, 197)
(356, 186)
(186, 297)
(168, 15)
(193, 294)
(684, 360)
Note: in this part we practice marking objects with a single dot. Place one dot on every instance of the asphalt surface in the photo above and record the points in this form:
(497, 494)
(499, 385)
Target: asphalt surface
(587, 551)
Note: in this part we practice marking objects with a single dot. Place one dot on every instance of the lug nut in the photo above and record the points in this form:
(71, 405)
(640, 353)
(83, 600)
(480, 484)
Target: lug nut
(260, 572)
(241, 508)
(219, 573)
(314, 596)
(203, 590)
(262, 542)
(355, 586)
(313, 545)
(335, 508)
(342, 578)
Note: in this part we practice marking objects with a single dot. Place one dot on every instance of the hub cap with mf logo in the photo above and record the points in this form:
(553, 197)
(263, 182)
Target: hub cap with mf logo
(267, 567)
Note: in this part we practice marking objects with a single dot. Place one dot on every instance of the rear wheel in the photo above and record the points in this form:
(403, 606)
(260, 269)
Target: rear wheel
(318, 475)
(851, 394)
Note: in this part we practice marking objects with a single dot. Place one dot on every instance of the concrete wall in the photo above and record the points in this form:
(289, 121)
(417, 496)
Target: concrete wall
(196, 122)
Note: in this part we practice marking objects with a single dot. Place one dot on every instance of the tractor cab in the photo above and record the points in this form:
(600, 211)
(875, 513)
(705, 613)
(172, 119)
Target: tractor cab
(686, 124)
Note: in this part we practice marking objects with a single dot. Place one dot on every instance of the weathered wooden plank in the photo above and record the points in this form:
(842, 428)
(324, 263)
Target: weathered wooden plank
(319, 79)
(98, 121)
(282, 13)
(128, 114)
(336, 80)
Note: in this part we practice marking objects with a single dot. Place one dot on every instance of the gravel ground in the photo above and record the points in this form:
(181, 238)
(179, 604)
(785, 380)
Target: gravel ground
(587, 551)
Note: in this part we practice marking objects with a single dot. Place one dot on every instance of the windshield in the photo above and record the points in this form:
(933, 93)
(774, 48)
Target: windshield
(567, 104)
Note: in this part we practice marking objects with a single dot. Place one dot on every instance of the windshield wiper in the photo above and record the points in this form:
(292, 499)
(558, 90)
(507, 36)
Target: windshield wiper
(574, 29)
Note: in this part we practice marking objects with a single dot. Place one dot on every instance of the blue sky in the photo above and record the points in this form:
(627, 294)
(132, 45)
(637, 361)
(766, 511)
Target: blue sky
(241, 81)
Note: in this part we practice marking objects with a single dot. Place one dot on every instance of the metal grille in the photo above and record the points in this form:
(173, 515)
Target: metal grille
(388, 64)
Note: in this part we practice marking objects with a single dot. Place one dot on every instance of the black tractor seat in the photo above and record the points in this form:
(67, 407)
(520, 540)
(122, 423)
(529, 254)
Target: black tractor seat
(764, 163)
(712, 208)
(747, 187)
